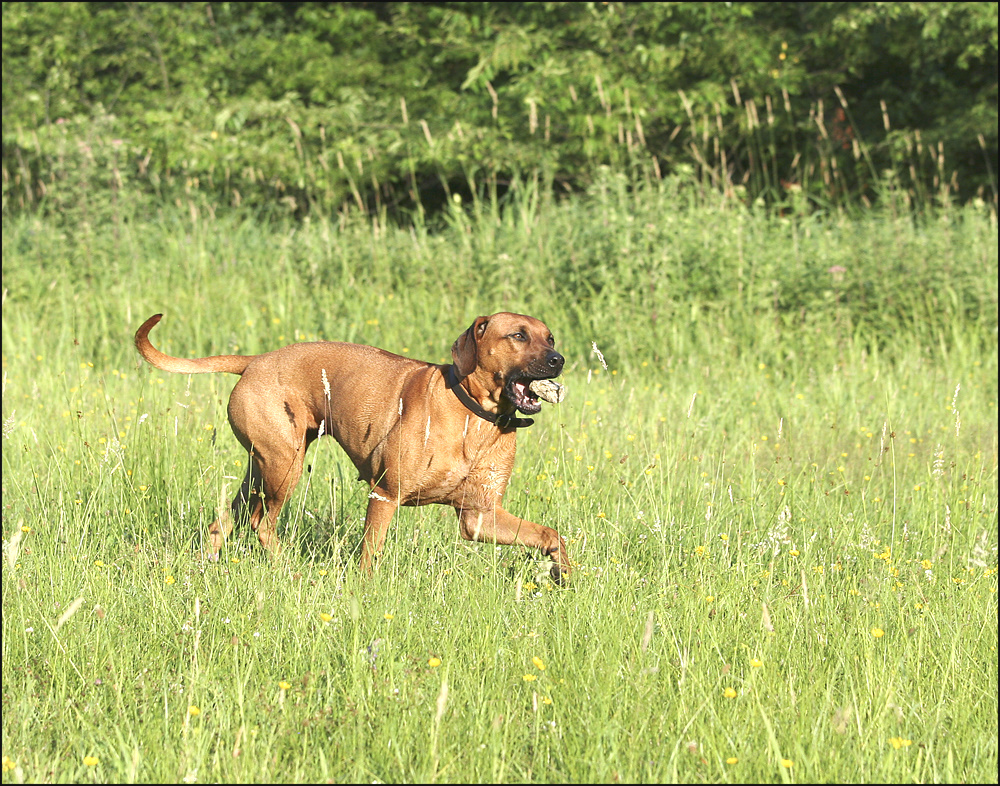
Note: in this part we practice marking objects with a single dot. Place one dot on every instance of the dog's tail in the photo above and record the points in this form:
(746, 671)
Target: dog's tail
(233, 364)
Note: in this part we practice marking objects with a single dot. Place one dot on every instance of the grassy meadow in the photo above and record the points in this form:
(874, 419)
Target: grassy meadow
(777, 476)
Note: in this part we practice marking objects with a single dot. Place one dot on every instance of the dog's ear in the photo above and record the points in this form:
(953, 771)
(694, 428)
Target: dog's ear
(465, 350)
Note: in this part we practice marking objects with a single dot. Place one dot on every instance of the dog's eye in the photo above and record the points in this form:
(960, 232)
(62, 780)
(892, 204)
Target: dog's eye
(518, 336)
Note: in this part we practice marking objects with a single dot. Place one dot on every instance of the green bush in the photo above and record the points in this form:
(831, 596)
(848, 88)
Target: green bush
(390, 108)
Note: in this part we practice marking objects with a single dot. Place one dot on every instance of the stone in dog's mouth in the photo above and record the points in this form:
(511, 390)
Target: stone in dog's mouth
(548, 390)
(527, 394)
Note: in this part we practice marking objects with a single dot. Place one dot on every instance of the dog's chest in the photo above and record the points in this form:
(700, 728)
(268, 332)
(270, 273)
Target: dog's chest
(475, 477)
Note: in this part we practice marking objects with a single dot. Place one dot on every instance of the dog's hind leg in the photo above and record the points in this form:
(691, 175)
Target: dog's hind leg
(280, 467)
(245, 505)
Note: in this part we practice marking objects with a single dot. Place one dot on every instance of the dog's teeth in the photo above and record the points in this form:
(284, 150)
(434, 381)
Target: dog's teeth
(548, 390)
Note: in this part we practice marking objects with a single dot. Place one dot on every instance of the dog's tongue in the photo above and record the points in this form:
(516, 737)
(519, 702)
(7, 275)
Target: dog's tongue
(523, 393)
(524, 398)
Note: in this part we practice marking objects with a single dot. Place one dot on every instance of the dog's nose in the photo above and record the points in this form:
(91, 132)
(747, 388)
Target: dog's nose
(555, 361)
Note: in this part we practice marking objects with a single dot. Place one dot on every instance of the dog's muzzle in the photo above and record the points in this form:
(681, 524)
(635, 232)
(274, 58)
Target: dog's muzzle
(518, 387)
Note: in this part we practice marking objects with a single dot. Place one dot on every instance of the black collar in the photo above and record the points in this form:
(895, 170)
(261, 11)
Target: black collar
(502, 421)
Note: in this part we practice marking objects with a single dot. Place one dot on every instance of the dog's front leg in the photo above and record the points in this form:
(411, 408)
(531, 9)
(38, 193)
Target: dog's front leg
(499, 526)
(380, 511)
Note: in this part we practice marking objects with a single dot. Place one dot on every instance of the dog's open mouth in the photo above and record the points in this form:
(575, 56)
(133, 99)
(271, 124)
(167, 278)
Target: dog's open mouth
(527, 394)
(522, 396)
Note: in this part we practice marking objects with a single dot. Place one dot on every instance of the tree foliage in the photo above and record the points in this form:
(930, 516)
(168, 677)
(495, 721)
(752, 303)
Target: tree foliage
(318, 106)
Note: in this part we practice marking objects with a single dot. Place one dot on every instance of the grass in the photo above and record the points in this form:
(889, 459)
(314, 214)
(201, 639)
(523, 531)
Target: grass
(781, 496)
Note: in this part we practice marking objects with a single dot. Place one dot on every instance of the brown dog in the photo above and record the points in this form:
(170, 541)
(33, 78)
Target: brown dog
(417, 432)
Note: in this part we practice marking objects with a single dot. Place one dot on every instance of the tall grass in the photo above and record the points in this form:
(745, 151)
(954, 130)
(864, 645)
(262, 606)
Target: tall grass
(781, 495)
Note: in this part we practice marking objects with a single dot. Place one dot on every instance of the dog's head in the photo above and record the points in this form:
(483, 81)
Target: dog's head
(504, 353)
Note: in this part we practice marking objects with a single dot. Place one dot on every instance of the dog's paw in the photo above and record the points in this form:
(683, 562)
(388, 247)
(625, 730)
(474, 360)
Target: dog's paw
(548, 390)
